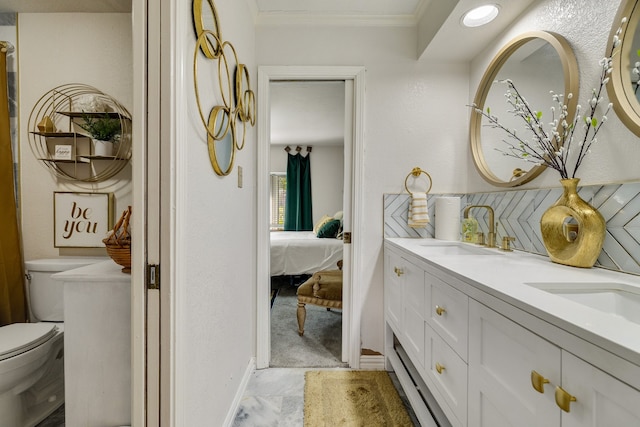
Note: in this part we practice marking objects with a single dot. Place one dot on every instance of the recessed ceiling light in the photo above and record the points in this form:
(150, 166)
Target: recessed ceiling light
(480, 15)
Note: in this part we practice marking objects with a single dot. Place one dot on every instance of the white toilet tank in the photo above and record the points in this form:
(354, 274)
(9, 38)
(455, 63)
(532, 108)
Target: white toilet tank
(46, 296)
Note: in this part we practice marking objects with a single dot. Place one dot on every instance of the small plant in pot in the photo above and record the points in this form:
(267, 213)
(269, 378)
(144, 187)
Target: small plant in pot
(104, 130)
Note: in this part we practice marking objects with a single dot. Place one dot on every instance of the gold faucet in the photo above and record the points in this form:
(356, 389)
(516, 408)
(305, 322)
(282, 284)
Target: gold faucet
(491, 236)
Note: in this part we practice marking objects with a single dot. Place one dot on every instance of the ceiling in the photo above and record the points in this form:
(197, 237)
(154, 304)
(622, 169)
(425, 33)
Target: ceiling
(68, 6)
(307, 113)
(346, 11)
(441, 36)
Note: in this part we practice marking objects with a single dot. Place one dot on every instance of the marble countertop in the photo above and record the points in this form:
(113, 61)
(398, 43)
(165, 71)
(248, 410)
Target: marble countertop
(104, 271)
(505, 275)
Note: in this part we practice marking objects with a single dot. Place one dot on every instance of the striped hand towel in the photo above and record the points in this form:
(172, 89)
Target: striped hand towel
(418, 211)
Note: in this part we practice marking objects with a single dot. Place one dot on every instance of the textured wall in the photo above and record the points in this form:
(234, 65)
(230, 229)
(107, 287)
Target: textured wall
(586, 25)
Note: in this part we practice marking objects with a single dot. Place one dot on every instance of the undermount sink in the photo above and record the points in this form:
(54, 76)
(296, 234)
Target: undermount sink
(617, 299)
(453, 248)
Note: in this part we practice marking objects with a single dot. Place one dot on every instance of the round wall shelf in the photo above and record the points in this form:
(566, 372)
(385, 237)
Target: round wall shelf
(63, 126)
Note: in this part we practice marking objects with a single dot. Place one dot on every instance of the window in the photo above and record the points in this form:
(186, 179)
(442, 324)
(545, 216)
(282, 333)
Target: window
(278, 199)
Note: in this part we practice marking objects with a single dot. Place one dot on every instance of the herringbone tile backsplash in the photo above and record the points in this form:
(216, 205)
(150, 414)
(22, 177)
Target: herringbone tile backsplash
(518, 213)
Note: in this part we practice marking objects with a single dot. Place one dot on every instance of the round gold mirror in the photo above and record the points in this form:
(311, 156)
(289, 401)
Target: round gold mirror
(206, 18)
(220, 140)
(538, 62)
(623, 83)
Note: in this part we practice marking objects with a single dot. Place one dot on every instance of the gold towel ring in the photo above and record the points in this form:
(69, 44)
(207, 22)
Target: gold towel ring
(416, 173)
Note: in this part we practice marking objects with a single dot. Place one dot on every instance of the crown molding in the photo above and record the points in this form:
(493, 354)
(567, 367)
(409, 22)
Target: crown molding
(303, 19)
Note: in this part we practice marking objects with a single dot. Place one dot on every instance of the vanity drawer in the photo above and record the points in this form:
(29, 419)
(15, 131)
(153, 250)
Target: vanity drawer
(447, 312)
(448, 373)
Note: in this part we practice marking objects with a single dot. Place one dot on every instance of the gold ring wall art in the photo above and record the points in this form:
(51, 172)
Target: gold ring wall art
(538, 60)
(225, 125)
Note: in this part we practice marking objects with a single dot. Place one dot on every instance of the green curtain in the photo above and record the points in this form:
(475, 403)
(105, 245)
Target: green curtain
(13, 306)
(298, 209)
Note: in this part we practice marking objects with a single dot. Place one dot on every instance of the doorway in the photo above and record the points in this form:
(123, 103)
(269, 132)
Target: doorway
(307, 126)
(353, 78)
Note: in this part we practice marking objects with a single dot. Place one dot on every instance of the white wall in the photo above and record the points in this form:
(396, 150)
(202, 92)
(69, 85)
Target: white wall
(415, 115)
(586, 25)
(327, 176)
(56, 49)
(215, 272)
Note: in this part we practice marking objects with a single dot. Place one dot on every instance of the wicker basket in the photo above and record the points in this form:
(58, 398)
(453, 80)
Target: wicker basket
(118, 243)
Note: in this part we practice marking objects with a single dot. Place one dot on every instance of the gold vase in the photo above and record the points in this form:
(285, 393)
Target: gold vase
(572, 230)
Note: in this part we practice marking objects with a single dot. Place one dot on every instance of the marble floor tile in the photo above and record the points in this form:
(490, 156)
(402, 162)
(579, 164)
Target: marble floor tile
(275, 397)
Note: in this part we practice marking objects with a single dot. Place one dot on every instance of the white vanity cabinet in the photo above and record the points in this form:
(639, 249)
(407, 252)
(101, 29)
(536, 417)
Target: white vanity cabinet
(502, 356)
(601, 400)
(489, 363)
(505, 360)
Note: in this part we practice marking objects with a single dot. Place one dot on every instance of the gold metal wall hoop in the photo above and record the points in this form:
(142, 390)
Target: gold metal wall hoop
(201, 38)
(227, 95)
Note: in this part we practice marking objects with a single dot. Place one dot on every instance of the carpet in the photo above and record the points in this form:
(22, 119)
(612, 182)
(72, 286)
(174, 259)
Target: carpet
(321, 344)
(353, 399)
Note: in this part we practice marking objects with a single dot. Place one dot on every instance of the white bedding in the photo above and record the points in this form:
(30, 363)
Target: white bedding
(301, 252)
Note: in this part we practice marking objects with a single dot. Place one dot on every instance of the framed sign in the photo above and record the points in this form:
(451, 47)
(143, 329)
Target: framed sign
(81, 220)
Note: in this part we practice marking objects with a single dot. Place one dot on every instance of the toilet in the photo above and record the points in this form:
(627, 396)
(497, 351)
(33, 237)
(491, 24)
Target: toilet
(32, 354)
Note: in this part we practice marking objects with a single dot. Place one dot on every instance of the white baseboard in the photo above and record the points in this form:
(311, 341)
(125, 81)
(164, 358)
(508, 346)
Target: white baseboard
(231, 415)
(372, 363)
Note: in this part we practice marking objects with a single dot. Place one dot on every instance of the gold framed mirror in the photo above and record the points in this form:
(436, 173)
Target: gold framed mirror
(207, 19)
(623, 83)
(221, 140)
(538, 61)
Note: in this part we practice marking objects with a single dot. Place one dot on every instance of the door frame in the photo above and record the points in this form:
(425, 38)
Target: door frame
(351, 294)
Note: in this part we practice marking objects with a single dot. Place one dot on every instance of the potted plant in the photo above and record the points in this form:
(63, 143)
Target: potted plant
(104, 131)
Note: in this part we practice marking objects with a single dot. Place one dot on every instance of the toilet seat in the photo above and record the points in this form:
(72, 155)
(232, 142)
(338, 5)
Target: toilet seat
(18, 338)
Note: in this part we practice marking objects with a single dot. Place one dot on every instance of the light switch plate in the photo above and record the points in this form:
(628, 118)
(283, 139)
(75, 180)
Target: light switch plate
(239, 176)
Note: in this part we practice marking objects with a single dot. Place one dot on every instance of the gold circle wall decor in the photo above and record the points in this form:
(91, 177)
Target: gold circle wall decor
(226, 124)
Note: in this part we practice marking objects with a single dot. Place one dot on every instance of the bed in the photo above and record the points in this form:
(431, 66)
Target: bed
(301, 252)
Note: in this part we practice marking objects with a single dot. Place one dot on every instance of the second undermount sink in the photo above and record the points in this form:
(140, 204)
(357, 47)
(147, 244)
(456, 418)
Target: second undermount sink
(618, 299)
(453, 248)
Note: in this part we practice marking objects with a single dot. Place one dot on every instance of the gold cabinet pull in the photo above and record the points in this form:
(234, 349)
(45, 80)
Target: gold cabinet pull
(564, 399)
(538, 381)
(440, 310)
(398, 271)
(439, 368)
